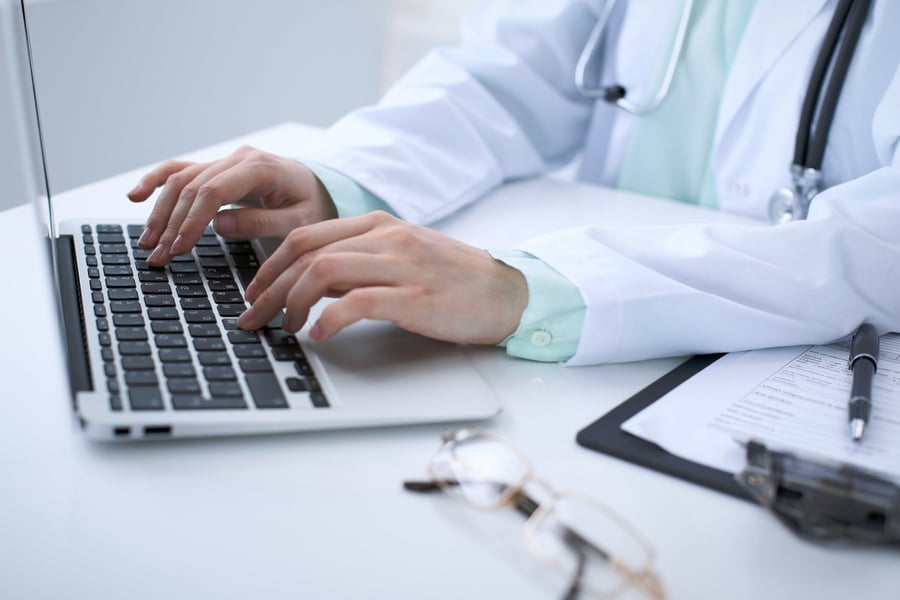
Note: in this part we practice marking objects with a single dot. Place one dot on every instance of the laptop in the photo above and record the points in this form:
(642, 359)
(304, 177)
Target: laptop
(156, 353)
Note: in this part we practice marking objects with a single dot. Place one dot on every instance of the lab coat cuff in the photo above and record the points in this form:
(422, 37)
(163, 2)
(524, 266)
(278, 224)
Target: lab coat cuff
(551, 325)
(350, 198)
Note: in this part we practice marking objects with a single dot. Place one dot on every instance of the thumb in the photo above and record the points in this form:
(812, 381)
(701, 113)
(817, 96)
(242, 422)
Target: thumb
(250, 223)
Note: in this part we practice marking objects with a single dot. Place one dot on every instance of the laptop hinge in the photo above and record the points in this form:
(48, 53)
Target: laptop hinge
(70, 296)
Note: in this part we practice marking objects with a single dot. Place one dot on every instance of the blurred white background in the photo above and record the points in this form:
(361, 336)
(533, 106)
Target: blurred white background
(127, 83)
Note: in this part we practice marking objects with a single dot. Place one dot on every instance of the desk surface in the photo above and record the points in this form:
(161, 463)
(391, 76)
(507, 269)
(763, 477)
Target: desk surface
(323, 515)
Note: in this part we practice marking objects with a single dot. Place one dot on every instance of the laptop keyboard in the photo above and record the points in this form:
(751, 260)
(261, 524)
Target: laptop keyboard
(169, 338)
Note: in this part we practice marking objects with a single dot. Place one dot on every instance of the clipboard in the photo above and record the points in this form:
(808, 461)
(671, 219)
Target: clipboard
(606, 435)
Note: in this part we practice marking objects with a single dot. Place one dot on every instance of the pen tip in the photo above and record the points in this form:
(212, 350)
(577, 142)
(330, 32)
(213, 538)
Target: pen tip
(857, 427)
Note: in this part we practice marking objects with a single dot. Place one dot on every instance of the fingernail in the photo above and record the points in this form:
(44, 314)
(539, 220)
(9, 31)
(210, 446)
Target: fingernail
(177, 245)
(135, 190)
(157, 255)
(288, 324)
(316, 332)
(250, 292)
(225, 223)
(145, 235)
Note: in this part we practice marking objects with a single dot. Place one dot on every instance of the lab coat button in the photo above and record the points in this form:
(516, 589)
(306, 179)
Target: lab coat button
(741, 188)
(541, 338)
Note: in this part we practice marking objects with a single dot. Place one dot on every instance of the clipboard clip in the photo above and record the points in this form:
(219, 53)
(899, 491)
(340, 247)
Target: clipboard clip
(822, 501)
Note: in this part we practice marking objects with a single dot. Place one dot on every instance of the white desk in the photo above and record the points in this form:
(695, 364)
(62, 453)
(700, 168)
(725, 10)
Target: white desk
(323, 515)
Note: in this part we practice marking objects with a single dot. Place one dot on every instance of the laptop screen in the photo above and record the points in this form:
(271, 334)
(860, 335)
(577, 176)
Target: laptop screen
(24, 167)
(22, 148)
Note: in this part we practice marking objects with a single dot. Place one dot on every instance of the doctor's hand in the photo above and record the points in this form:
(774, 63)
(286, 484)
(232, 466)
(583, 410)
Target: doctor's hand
(380, 267)
(192, 194)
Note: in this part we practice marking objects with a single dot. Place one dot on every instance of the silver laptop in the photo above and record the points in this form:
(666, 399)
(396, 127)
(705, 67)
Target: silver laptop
(155, 353)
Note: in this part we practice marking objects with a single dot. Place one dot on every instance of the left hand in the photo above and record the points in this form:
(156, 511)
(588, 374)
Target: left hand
(383, 268)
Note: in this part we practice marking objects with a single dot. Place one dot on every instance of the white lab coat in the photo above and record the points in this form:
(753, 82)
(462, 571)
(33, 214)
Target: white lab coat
(504, 106)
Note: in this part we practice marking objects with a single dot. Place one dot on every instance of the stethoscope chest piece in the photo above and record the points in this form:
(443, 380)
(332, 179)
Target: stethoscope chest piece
(792, 203)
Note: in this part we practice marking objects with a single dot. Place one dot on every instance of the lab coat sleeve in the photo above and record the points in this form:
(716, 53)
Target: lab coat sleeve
(675, 290)
(501, 106)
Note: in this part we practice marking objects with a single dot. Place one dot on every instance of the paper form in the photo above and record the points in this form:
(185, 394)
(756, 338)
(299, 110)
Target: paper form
(789, 398)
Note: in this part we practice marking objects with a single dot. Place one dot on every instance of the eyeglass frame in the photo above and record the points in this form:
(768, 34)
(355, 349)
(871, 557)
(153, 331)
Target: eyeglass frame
(643, 578)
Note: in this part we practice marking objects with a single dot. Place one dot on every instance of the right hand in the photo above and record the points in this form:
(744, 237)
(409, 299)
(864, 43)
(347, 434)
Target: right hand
(192, 194)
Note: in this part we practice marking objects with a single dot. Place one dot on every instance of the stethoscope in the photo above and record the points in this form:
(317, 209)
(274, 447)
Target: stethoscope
(789, 203)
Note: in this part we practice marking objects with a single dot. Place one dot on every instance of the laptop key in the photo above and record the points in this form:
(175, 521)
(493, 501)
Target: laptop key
(126, 306)
(131, 334)
(170, 340)
(318, 400)
(243, 337)
(156, 287)
(115, 259)
(190, 291)
(128, 320)
(134, 348)
(118, 271)
(225, 388)
(265, 390)
(230, 310)
(183, 267)
(195, 402)
(195, 304)
(162, 313)
(199, 316)
(206, 344)
(187, 279)
(183, 385)
(110, 238)
(120, 282)
(179, 370)
(137, 363)
(213, 359)
(249, 351)
(219, 373)
(135, 231)
(204, 330)
(174, 355)
(227, 297)
(145, 398)
(166, 327)
(159, 300)
(148, 276)
(141, 378)
(221, 285)
(255, 365)
(122, 294)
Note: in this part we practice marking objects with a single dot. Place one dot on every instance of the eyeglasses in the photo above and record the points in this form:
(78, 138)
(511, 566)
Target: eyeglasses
(598, 550)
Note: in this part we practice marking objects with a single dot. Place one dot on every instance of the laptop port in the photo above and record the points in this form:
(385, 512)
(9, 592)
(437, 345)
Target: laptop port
(157, 430)
(121, 432)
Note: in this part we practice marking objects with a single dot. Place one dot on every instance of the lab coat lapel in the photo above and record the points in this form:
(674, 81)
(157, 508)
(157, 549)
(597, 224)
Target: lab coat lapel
(773, 25)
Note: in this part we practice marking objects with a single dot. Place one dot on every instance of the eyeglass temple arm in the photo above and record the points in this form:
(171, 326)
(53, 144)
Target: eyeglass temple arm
(522, 502)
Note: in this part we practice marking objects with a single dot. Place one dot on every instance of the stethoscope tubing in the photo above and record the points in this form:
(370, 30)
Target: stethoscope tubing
(616, 93)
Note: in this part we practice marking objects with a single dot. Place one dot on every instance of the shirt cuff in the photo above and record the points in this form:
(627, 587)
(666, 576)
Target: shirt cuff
(349, 197)
(551, 325)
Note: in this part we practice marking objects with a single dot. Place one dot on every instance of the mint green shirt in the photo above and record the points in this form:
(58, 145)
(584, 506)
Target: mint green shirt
(668, 155)
(684, 124)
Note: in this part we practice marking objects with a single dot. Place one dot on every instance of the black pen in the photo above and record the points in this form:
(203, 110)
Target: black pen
(863, 363)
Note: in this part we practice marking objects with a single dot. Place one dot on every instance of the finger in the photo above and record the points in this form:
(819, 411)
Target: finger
(301, 286)
(155, 178)
(376, 302)
(251, 223)
(196, 207)
(162, 209)
(306, 240)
